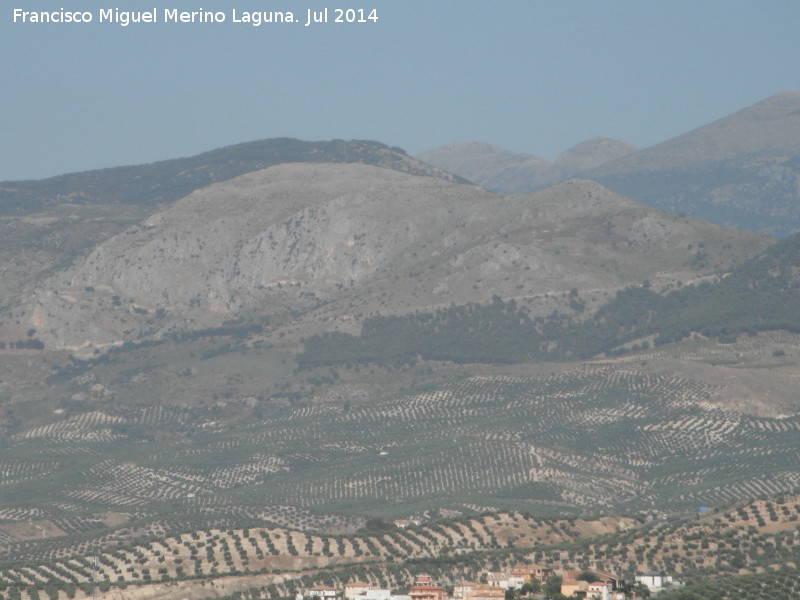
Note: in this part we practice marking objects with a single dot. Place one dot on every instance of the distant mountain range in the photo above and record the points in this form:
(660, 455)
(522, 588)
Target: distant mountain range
(741, 171)
(256, 350)
(508, 172)
(343, 327)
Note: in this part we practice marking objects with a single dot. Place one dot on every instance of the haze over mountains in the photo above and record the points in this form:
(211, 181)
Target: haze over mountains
(306, 334)
(509, 172)
(742, 170)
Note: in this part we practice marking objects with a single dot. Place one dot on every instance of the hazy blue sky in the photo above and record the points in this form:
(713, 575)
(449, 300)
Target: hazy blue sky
(529, 75)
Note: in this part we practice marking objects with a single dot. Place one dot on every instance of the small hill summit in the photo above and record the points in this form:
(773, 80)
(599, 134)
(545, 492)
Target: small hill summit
(509, 172)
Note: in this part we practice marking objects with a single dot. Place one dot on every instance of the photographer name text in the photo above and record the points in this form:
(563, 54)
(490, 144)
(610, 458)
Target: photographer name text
(255, 18)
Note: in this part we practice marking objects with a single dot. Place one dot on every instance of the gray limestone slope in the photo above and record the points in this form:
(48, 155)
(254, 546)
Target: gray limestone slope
(279, 238)
(296, 237)
(47, 224)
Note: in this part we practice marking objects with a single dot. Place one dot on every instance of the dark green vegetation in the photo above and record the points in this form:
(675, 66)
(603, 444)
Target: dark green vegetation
(760, 295)
(780, 583)
(170, 180)
(496, 333)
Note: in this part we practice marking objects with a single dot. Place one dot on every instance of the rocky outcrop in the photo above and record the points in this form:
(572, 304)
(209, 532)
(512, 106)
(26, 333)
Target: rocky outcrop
(295, 236)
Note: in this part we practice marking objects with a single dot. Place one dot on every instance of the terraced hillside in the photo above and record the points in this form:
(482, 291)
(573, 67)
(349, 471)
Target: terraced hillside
(213, 551)
(269, 562)
(726, 549)
(207, 447)
(603, 436)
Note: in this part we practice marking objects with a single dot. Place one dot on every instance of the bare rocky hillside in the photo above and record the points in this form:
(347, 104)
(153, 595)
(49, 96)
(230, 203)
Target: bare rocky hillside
(298, 237)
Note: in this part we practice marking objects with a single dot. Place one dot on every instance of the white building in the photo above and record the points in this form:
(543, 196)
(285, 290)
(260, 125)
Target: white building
(654, 580)
(321, 593)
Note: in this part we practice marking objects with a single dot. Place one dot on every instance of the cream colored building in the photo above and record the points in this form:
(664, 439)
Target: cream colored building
(356, 588)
